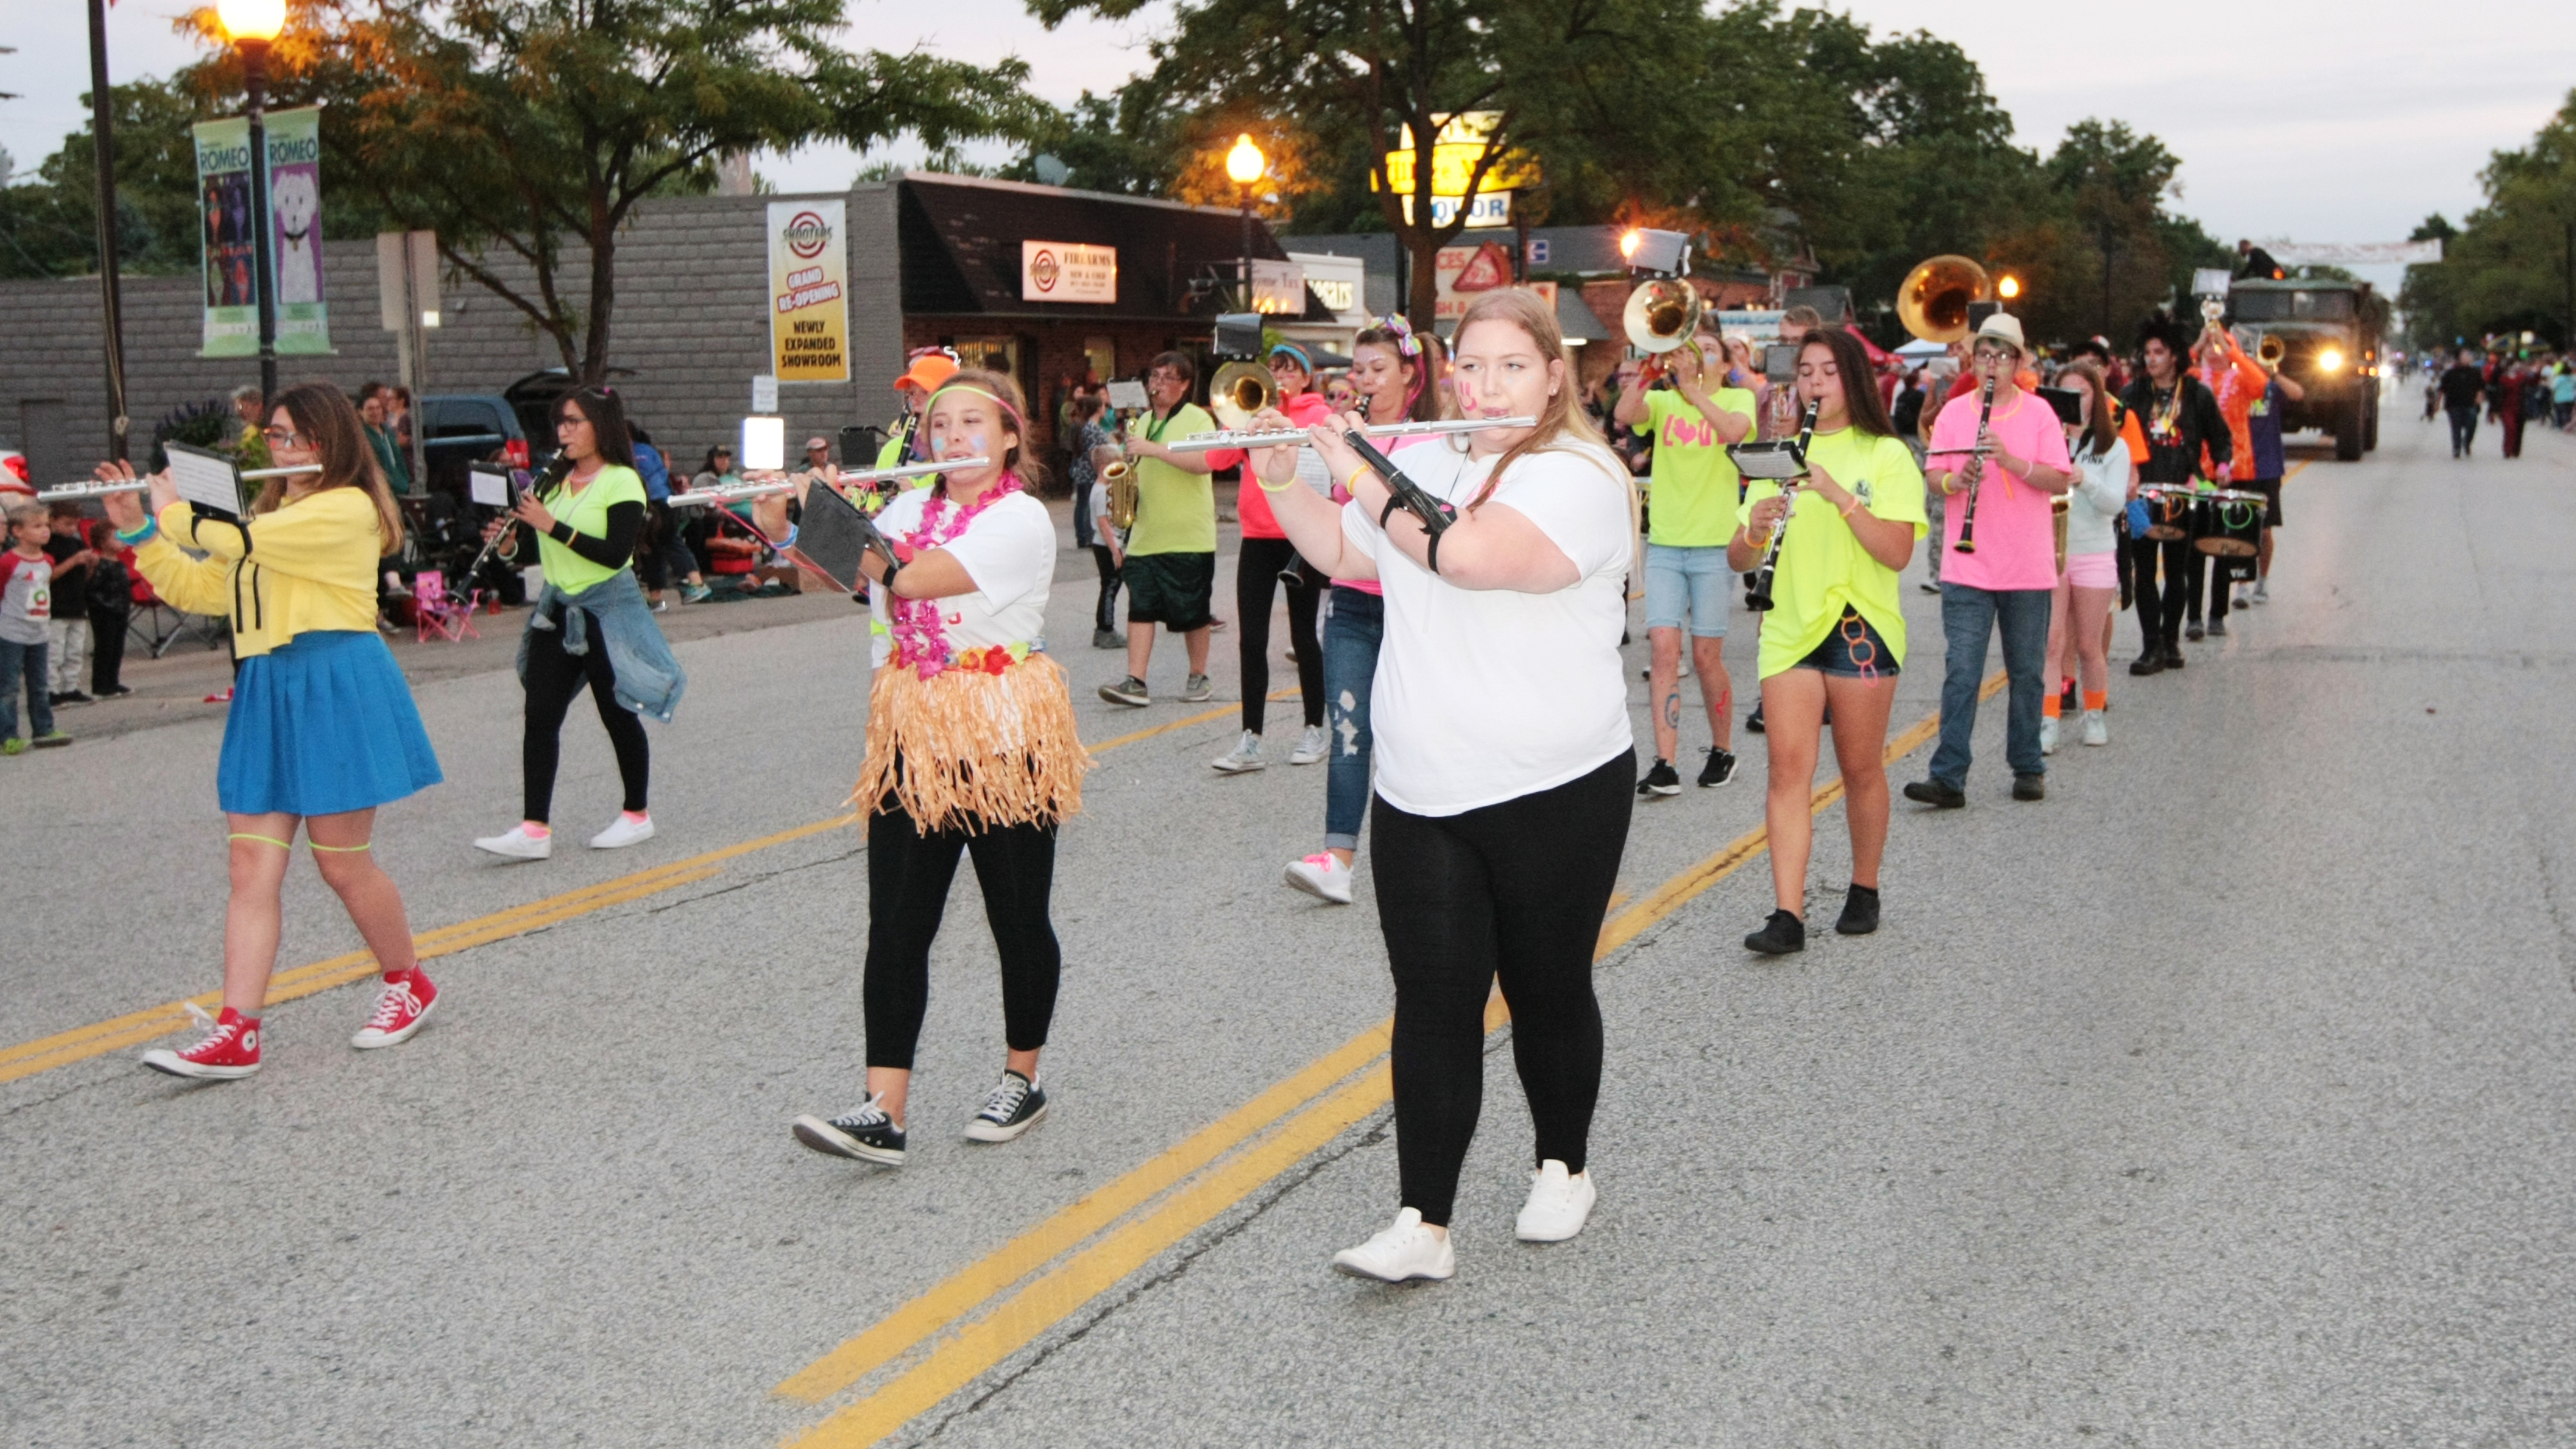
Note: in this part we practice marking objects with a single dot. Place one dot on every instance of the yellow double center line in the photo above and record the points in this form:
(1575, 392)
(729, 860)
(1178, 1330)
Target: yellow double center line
(1319, 1103)
(134, 1028)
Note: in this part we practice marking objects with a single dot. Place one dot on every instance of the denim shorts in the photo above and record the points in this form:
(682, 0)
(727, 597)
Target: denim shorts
(1688, 581)
(1852, 650)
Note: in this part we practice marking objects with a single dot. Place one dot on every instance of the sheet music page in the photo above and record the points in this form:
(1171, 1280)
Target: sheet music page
(207, 479)
(488, 488)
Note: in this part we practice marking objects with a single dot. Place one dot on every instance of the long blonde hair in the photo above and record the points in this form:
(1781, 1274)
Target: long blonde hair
(1561, 425)
(331, 426)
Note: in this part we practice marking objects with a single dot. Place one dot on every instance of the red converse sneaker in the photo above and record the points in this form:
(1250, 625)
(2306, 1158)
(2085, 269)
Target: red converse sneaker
(400, 1010)
(230, 1048)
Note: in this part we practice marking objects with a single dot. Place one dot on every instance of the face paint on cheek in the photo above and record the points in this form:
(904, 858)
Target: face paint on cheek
(978, 448)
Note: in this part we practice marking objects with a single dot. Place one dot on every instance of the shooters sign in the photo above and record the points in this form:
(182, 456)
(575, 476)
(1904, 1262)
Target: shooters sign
(809, 281)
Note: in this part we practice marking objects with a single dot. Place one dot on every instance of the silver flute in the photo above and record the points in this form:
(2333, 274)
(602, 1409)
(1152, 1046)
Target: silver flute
(1245, 438)
(913, 470)
(72, 492)
(710, 496)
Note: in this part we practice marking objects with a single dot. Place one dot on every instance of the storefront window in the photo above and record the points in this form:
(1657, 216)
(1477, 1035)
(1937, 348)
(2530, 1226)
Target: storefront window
(993, 354)
(1102, 355)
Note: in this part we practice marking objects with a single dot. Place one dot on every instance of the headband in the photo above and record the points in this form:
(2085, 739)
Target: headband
(1293, 350)
(1022, 424)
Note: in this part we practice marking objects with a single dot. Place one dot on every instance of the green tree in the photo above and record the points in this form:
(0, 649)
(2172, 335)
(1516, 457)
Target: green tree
(531, 129)
(49, 222)
(2512, 265)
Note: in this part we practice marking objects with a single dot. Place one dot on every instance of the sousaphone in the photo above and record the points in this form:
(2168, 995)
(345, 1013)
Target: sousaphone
(1933, 299)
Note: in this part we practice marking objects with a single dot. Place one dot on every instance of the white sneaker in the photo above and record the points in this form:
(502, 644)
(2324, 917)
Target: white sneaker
(2262, 591)
(2244, 598)
(1405, 1250)
(518, 844)
(2097, 730)
(1322, 874)
(1246, 755)
(623, 831)
(1559, 1204)
(2048, 734)
(1312, 746)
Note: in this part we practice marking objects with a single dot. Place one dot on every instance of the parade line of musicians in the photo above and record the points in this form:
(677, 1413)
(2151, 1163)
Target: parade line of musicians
(1456, 601)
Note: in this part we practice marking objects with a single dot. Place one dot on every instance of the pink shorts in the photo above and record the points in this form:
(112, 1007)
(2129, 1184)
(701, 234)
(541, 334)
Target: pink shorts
(2092, 571)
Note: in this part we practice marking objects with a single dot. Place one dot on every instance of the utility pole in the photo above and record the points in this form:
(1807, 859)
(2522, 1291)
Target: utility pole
(110, 298)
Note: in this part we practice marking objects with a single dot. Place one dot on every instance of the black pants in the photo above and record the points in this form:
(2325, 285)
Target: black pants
(1104, 615)
(1516, 890)
(2160, 608)
(107, 649)
(2464, 429)
(908, 878)
(554, 681)
(1256, 579)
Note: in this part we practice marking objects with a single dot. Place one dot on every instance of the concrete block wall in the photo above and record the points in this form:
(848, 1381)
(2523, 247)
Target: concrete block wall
(691, 321)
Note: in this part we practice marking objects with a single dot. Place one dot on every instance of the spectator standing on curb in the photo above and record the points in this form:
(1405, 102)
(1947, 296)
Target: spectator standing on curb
(26, 606)
(68, 633)
(110, 608)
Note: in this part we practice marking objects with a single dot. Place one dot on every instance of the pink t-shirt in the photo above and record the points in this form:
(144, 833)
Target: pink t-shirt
(1251, 510)
(2016, 543)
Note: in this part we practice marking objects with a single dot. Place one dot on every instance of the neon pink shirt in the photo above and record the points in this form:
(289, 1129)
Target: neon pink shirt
(2016, 542)
(1251, 509)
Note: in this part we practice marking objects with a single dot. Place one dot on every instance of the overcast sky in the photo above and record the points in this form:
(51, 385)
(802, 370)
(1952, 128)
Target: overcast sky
(2348, 127)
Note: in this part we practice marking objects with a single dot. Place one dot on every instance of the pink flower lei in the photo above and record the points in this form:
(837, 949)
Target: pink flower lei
(920, 634)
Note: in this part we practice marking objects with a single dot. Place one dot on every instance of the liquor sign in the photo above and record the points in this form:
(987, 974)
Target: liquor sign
(1491, 209)
(1278, 288)
(1462, 141)
(292, 231)
(1068, 272)
(1461, 274)
(809, 285)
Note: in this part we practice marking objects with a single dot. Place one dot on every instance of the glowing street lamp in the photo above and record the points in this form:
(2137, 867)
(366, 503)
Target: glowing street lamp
(2008, 288)
(251, 25)
(1244, 166)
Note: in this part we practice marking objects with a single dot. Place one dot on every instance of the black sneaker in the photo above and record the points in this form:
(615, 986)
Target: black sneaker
(2218, 628)
(1933, 792)
(2193, 632)
(1128, 691)
(1779, 936)
(1860, 911)
(2173, 656)
(1108, 639)
(1753, 721)
(1014, 1106)
(1718, 769)
(2151, 662)
(114, 691)
(864, 1134)
(1661, 781)
(2030, 787)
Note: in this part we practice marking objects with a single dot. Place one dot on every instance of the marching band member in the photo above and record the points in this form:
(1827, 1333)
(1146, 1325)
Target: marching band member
(971, 748)
(2263, 434)
(590, 625)
(2003, 585)
(1170, 570)
(2186, 439)
(1835, 635)
(1695, 492)
(930, 367)
(2106, 476)
(322, 729)
(1504, 760)
(1264, 562)
(1393, 368)
(2238, 383)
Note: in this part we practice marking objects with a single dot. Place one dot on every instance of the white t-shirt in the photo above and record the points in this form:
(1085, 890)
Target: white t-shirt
(1484, 696)
(1009, 551)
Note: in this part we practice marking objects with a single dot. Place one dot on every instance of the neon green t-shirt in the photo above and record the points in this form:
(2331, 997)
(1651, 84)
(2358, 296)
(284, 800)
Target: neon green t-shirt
(1822, 566)
(1694, 482)
(1175, 508)
(587, 512)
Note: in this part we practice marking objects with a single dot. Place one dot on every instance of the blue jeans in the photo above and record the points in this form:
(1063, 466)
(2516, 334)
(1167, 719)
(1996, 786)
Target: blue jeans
(1351, 638)
(1687, 582)
(1968, 616)
(29, 660)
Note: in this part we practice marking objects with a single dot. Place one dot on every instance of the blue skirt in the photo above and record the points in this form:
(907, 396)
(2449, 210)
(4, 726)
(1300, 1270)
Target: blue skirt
(322, 726)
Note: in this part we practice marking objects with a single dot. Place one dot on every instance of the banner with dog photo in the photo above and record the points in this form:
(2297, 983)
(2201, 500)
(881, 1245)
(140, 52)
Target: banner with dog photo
(293, 229)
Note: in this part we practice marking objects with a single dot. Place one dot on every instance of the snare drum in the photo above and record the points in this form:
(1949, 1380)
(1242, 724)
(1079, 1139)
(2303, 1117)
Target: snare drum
(2168, 512)
(2231, 523)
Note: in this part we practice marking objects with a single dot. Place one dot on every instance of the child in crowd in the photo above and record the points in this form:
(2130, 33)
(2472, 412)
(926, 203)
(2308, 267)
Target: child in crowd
(111, 609)
(68, 641)
(26, 607)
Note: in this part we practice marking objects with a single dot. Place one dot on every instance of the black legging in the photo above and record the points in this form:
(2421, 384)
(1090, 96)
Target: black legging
(1516, 890)
(1104, 615)
(554, 681)
(908, 878)
(2160, 608)
(1256, 577)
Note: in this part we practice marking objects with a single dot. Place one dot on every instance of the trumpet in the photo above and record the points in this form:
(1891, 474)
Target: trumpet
(2270, 350)
(1246, 438)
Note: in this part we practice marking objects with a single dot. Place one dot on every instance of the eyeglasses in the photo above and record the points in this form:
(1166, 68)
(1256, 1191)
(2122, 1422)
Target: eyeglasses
(282, 437)
(1995, 354)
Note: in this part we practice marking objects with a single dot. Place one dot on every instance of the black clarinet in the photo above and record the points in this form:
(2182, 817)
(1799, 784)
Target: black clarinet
(1976, 471)
(1404, 493)
(1758, 597)
(557, 468)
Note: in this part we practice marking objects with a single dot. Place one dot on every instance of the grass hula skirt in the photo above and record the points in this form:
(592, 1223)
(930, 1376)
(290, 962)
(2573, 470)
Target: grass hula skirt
(974, 745)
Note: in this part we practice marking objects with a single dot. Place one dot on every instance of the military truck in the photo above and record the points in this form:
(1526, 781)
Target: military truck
(2324, 335)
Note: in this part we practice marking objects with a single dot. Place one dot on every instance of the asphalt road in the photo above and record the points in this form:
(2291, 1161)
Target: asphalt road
(2222, 1098)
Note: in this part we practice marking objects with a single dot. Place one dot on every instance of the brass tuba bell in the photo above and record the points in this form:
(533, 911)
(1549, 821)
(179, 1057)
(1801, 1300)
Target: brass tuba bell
(1933, 299)
(1240, 391)
(1661, 315)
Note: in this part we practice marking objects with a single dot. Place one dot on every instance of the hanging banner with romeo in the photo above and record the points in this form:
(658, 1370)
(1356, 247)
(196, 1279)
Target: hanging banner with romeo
(293, 230)
(809, 283)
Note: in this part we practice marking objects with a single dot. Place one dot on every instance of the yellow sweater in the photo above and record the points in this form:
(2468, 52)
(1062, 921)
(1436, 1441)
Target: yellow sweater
(309, 566)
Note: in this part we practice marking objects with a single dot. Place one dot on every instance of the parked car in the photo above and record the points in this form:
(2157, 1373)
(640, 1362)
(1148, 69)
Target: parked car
(533, 397)
(465, 428)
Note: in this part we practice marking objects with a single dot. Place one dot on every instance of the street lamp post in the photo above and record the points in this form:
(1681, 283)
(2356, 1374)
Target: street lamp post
(1244, 165)
(252, 25)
